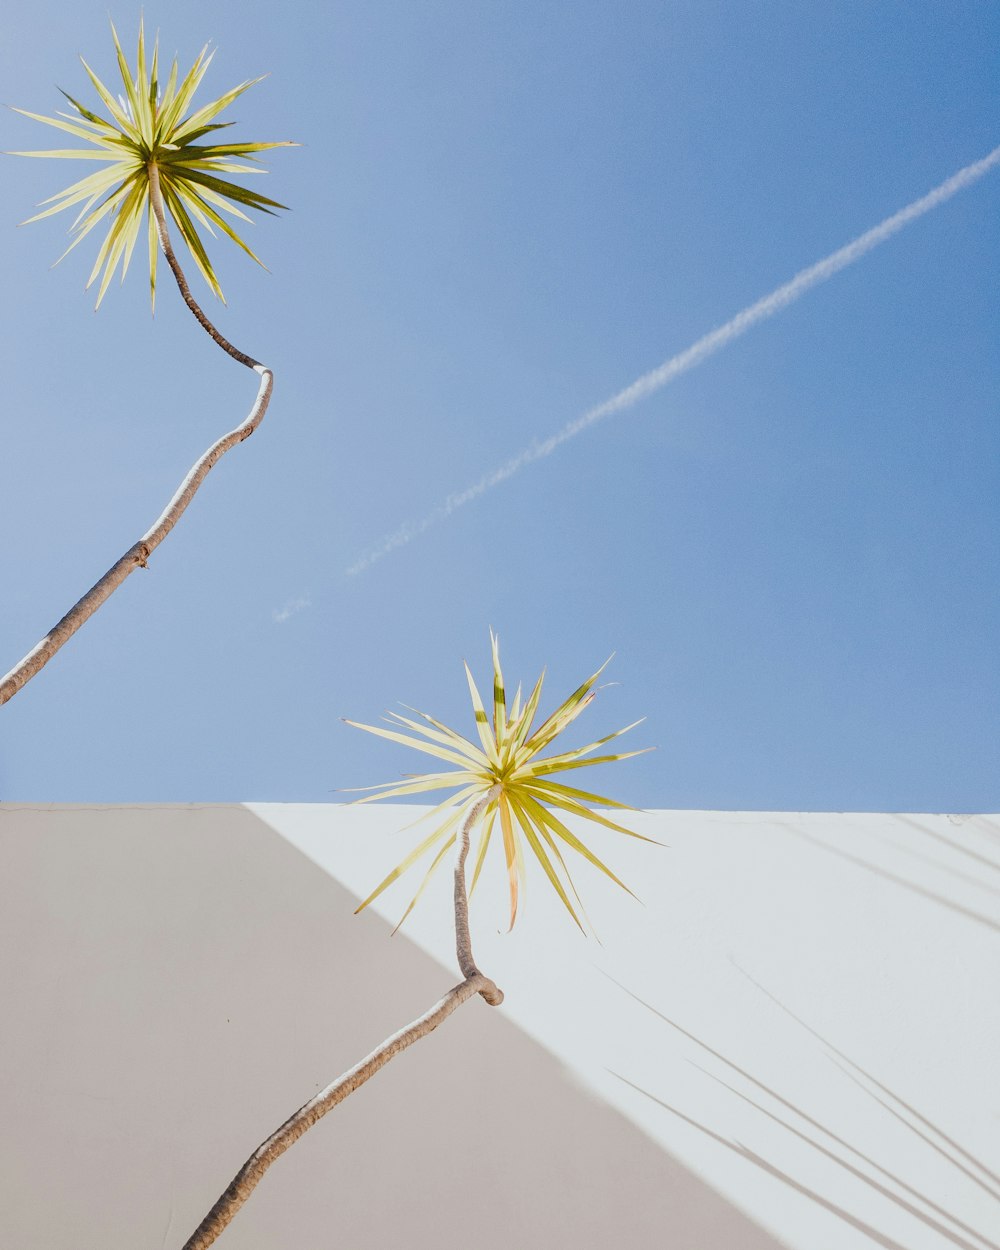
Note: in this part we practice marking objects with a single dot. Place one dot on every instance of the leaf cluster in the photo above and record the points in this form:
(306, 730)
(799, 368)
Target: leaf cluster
(153, 124)
(527, 802)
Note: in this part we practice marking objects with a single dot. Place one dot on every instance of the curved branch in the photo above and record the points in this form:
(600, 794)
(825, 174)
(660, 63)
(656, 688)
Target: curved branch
(139, 552)
(247, 1178)
(156, 201)
(250, 1174)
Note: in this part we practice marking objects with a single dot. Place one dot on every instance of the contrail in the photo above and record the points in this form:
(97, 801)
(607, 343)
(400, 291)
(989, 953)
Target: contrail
(699, 351)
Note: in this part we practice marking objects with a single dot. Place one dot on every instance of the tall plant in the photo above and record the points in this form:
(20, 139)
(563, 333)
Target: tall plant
(506, 779)
(161, 160)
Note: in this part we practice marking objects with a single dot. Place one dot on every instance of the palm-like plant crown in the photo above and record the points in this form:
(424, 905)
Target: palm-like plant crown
(510, 772)
(151, 126)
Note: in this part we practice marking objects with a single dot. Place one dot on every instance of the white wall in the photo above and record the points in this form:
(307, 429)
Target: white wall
(812, 1062)
(176, 981)
(820, 1005)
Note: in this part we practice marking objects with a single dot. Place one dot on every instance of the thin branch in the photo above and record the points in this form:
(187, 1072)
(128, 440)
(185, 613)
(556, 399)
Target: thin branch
(250, 1174)
(138, 554)
(156, 200)
(463, 940)
(246, 1179)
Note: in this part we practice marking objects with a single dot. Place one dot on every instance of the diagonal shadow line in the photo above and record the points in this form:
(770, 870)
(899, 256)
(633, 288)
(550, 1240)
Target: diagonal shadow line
(987, 826)
(842, 1213)
(827, 1132)
(867, 1180)
(935, 1146)
(950, 842)
(976, 882)
(978, 917)
(960, 1150)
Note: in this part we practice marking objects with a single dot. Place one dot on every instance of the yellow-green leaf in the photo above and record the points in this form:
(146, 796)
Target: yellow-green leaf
(520, 786)
(149, 127)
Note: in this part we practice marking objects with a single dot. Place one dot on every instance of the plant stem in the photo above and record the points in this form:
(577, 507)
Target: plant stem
(463, 940)
(156, 201)
(138, 554)
(250, 1174)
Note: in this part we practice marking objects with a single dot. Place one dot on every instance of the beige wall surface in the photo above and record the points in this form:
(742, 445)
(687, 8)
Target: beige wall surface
(176, 980)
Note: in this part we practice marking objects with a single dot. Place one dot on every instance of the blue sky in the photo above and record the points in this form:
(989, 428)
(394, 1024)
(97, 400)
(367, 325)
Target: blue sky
(502, 215)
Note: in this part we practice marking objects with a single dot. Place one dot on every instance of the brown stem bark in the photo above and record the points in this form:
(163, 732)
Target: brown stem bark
(138, 554)
(463, 939)
(250, 1174)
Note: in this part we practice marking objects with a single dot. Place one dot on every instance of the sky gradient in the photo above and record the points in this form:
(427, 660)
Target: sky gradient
(501, 217)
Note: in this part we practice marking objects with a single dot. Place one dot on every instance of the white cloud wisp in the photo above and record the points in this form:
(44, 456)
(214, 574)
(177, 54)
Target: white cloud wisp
(692, 356)
(291, 608)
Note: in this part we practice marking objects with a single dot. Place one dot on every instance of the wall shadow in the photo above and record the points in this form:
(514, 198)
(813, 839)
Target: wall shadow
(819, 1139)
(905, 883)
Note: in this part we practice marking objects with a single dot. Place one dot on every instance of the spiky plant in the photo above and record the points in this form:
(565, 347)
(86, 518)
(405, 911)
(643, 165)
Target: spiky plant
(152, 138)
(154, 167)
(509, 770)
(505, 779)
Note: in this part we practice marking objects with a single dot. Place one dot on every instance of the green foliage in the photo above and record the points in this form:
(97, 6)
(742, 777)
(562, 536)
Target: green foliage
(152, 125)
(508, 761)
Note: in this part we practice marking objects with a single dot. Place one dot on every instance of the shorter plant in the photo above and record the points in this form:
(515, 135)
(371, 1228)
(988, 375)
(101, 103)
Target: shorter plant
(507, 780)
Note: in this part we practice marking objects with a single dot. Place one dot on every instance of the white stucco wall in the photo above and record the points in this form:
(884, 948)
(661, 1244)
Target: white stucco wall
(817, 991)
(791, 1042)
